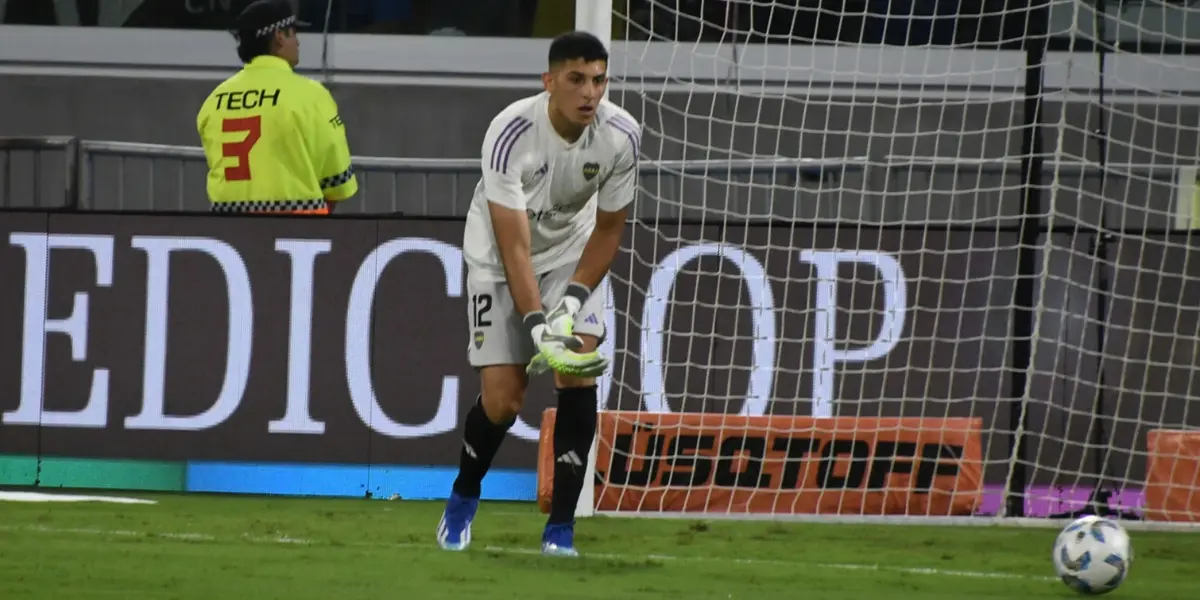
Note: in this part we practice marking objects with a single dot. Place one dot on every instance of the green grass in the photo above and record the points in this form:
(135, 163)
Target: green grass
(203, 547)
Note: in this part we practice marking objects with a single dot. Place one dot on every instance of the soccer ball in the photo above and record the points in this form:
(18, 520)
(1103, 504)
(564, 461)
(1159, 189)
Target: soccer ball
(1092, 555)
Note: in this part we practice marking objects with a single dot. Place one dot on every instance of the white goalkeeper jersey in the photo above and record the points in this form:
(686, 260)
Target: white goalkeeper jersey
(528, 166)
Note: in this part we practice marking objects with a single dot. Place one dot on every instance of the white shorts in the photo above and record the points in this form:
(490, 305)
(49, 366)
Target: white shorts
(498, 332)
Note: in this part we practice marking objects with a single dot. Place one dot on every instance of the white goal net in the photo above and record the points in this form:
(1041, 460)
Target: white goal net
(888, 266)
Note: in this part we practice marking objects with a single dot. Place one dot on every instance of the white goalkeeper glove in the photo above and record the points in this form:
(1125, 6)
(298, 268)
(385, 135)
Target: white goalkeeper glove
(556, 342)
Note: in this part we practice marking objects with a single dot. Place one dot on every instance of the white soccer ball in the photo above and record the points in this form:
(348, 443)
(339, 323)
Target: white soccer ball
(1092, 555)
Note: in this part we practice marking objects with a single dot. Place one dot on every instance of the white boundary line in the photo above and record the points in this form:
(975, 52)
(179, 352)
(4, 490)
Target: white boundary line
(286, 540)
(885, 520)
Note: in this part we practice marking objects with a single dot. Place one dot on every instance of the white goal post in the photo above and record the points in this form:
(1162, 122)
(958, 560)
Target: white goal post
(940, 320)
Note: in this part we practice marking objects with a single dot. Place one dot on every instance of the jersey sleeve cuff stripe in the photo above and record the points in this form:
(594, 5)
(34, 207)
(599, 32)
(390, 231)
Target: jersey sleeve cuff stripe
(630, 132)
(505, 140)
(338, 180)
(628, 123)
(500, 139)
(512, 142)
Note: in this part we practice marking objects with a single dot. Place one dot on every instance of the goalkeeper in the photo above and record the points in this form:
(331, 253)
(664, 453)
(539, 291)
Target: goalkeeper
(559, 170)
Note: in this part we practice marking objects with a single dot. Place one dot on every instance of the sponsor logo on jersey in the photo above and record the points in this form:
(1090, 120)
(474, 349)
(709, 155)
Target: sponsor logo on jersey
(556, 210)
(591, 170)
(538, 215)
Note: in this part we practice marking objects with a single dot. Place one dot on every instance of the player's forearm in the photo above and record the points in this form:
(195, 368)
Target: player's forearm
(599, 253)
(511, 228)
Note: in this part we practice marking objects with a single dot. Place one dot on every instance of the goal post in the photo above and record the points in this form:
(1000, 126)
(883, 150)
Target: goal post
(596, 18)
(887, 282)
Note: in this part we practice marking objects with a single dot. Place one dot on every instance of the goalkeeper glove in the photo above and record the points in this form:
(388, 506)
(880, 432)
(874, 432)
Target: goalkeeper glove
(557, 345)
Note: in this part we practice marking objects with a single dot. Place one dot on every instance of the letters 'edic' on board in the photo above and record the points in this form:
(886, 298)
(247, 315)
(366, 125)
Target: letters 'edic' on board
(708, 463)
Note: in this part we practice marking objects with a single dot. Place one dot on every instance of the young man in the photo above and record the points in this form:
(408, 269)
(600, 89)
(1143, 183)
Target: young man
(559, 170)
(273, 139)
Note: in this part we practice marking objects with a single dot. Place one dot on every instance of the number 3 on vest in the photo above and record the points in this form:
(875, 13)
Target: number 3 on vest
(252, 126)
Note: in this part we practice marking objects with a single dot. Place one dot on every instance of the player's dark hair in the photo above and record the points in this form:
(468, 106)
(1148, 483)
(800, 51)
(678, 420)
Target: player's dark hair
(576, 45)
(253, 48)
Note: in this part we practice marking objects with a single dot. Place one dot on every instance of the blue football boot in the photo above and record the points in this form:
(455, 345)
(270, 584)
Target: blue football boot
(454, 530)
(559, 540)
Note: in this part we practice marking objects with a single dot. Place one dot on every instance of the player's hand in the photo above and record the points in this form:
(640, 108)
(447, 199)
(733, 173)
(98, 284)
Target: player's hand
(558, 346)
(561, 322)
(553, 355)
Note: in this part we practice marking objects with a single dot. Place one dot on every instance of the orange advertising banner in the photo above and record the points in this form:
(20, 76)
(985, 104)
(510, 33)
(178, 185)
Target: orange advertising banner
(1173, 475)
(706, 463)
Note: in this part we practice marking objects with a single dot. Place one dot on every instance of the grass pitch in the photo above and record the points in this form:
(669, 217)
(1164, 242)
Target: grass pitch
(206, 547)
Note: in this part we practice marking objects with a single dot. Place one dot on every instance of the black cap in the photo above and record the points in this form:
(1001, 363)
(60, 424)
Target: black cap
(263, 18)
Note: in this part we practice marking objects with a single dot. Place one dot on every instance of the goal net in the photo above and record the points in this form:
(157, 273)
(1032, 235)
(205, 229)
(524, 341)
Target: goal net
(865, 280)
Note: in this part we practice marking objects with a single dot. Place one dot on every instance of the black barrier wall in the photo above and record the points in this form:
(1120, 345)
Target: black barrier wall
(343, 340)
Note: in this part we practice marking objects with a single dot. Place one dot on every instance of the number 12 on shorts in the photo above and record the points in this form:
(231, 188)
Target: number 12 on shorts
(481, 304)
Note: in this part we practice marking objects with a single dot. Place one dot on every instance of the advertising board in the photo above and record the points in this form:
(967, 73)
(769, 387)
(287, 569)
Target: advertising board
(327, 356)
(730, 464)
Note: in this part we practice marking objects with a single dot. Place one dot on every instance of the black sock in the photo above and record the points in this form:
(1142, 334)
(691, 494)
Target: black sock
(574, 427)
(481, 440)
